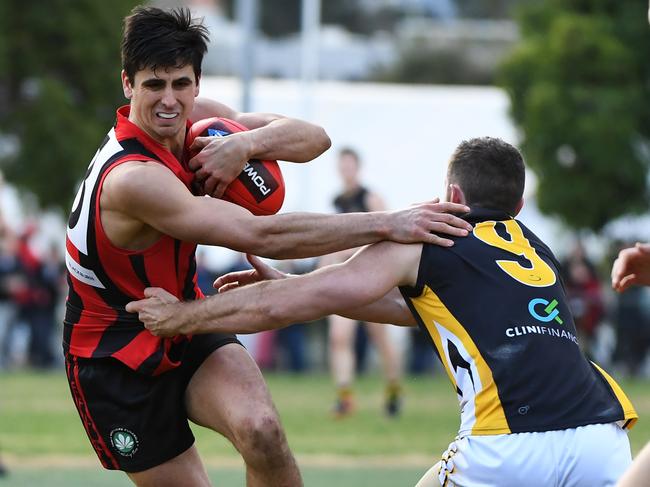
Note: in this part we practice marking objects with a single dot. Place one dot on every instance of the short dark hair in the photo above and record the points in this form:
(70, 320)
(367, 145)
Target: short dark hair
(490, 172)
(349, 151)
(155, 38)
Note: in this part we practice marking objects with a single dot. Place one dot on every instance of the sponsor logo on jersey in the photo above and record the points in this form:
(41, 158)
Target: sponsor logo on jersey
(544, 311)
(521, 330)
(124, 442)
(550, 313)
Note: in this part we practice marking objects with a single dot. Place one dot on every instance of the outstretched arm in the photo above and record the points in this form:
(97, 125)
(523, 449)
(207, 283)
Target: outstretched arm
(151, 194)
(356, 283)
(391, 308)
(271, 136)
(632, 267)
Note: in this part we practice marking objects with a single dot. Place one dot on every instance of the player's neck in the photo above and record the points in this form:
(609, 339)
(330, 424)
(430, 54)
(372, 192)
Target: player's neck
(174, 144)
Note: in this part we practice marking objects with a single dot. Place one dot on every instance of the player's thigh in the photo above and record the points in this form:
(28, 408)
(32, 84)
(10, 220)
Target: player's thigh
(341, 330)
(186, 469)
(228, 390)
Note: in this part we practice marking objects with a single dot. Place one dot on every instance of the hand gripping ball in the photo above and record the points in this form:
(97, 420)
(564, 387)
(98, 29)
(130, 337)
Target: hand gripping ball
(260, 186)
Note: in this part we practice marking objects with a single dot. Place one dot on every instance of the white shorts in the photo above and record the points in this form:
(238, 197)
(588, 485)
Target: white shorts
(589, 456)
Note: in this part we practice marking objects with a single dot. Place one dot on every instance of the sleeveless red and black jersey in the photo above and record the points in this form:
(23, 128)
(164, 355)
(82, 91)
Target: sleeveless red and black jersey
(103, 278)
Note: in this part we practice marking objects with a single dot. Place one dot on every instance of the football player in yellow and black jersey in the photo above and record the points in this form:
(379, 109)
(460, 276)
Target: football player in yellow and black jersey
(534, 410)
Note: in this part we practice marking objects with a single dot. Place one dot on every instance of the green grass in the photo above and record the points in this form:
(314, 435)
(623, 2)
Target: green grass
(43, 442)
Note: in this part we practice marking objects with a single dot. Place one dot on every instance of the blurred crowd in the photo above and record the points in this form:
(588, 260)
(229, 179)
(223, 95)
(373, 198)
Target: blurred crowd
(613, 328)
(31, 289)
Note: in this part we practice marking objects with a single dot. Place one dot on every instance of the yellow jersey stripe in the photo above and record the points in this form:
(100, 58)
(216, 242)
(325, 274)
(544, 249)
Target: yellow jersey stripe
(630, 413)
(489, 413)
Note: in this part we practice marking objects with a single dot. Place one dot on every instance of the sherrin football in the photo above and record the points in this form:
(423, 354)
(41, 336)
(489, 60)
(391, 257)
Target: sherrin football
(260, 186)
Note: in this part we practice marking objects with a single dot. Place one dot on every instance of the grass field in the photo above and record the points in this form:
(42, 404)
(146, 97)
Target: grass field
(43, 443)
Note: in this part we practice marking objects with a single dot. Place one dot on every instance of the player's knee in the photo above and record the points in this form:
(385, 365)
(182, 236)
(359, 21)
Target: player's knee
(260, 437)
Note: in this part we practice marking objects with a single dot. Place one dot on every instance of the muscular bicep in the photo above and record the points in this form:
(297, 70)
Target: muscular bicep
(152, 194)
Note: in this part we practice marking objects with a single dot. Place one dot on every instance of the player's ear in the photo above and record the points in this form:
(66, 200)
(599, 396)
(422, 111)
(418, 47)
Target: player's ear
(197, 87)
(126, 85)
(455, 194)
(519, 206)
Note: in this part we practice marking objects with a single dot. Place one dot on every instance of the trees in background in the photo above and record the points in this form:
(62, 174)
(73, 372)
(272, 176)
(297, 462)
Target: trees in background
(59, 87)
(579, 83)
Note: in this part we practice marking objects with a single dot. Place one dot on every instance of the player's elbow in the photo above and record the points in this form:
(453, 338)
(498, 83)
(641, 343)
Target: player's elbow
(324, 141)
(319, 142)
(267, 241)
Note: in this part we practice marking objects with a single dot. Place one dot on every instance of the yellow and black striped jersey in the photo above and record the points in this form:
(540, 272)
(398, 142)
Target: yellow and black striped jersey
(497, 314)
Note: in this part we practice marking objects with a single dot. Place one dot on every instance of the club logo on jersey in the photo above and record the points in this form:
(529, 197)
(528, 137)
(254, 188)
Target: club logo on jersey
(124, 441)
(549, 311)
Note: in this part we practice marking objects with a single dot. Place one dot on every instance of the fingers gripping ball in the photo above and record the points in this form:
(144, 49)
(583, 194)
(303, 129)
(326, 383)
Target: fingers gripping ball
(260, 186)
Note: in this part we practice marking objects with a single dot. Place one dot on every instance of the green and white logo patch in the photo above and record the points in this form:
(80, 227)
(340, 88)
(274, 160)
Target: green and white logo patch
(124, 441)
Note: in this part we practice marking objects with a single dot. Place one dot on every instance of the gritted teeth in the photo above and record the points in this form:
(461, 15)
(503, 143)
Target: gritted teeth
(167, 115)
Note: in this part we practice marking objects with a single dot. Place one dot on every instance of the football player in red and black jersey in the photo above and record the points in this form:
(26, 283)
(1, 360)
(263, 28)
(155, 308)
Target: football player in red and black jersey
(136, 222)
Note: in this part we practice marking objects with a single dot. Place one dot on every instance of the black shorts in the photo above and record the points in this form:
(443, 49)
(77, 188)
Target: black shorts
(134, 421)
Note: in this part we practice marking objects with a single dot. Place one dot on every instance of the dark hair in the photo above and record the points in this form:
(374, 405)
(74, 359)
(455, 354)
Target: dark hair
(155, 38)
(490, 172)
(349, 151)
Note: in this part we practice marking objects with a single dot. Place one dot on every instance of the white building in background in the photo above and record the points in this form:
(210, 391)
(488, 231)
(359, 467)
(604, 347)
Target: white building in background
(404, 133)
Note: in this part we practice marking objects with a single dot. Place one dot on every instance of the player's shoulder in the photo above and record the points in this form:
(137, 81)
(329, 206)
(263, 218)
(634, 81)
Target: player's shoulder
(137, 177)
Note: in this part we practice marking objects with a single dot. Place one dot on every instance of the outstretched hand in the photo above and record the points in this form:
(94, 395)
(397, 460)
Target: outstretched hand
(259, 272)
(422, 223)
(160, 312)
(632, 267)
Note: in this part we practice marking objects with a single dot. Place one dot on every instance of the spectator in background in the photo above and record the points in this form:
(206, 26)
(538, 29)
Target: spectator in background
(6, 306)
(36, 301)
(585, 295)
(630, 311)
(342, 331)
(10, 281)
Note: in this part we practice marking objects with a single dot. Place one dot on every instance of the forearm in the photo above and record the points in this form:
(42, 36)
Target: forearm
(266, 305)
(301, 235)
(270, 136)
(288, 139)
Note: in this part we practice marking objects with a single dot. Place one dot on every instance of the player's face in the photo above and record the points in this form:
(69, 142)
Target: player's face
(161, 101)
